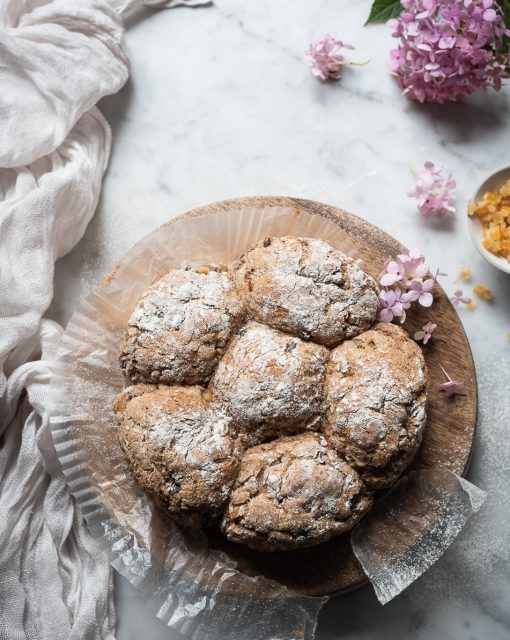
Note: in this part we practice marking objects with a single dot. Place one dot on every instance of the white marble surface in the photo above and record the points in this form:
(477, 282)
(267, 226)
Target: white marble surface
(221, 104)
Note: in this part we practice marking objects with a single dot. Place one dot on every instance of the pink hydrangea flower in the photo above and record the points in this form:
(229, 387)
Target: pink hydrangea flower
(434, 191)
(394, 304)
(412, 260)
(394, 271)
(425, 332)
(459, 298)
(452, 387)
(419, 290)
(325, 58)
(448, 48)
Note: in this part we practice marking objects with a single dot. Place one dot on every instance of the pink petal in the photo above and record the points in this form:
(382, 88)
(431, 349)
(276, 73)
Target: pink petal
(453, 387)
(421, 270)
(385, 315)
(426, 299)
(411, 296)
(416, 285)
(389, 279)
(428, 285)
(390, 297)
(447, 388)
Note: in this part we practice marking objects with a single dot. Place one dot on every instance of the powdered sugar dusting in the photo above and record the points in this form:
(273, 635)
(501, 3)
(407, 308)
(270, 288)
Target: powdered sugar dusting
(293, 492)
(183, 449)
(271, 381)
(180, 327)
(375, 402)
(307, 288)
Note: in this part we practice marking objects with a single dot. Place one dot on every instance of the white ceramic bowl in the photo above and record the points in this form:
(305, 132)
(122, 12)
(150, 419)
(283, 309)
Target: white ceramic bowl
(491, 183)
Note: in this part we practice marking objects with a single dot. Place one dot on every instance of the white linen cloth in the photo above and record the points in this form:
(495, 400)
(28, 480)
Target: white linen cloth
(57, 59)
(54, 583)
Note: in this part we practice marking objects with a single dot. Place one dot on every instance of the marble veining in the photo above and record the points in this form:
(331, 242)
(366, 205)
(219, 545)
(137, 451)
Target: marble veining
(220, 104)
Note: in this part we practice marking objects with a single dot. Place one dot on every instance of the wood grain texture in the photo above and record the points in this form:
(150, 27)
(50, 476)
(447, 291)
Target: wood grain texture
(331, 567)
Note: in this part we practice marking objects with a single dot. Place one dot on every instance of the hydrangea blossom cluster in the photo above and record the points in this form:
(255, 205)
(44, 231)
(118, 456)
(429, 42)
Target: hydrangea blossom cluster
(325, 58)
(404, 280)
(448, 48)
(434, 191)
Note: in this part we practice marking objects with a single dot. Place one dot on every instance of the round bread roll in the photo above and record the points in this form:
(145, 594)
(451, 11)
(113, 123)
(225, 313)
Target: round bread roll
(293, 493)
(374, 402)
(307, 288)
(181, 448)
(180, 327)
(271, 382)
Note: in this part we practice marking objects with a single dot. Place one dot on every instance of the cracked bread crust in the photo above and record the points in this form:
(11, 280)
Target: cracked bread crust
(306, 288)
(180, 327)
(375, 403)
(292, 493)
(271, 382)
(182, 449)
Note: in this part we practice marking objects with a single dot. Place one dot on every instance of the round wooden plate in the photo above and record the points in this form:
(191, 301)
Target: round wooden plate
(332, 567)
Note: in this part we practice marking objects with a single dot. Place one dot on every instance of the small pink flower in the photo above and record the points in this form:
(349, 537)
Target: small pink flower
(452, 387)
(434, 191)
(426, 332)
(394, 304)
(417, 272)
(325, 58)
(458, 298)
(420, 291)
(394, 271)
(412, 259)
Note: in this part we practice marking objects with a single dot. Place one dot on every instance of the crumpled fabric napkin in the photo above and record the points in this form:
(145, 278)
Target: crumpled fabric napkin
(55, 584)
(57, 59)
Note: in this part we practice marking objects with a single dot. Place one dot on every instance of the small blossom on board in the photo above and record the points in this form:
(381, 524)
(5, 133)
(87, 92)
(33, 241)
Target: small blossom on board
(325, 57)
(425, 333)
(459, 298)
(434, 191)
(394, 271)
(452, 387)
(394, 304)
(420, 290)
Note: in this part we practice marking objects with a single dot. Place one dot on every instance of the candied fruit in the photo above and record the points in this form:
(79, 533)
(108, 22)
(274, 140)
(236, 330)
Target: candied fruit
(482, 291)
(465, 273)
(494, 213)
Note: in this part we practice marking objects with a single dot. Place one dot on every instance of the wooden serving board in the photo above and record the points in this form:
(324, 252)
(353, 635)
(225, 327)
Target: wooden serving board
(332, 567)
